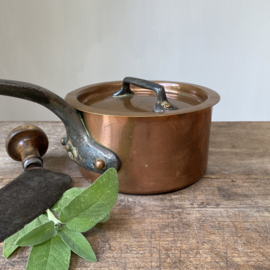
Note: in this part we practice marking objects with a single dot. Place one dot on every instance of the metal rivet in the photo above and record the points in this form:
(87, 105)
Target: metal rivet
(68, 147)
(63, 141)
(168, 105)
(100, 164)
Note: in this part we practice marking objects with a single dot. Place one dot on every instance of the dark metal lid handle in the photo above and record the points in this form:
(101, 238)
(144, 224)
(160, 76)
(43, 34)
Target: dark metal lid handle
(162, 103)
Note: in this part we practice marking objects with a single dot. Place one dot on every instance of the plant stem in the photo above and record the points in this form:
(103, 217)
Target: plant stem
(52, 217)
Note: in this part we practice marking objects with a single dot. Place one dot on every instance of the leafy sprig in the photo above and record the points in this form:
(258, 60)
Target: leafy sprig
(52, 239)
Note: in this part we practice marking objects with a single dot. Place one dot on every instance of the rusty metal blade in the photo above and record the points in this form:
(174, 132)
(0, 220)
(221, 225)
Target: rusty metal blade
(28, 196)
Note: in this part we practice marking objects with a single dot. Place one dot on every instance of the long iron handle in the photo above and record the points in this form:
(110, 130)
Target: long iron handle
(80, 147)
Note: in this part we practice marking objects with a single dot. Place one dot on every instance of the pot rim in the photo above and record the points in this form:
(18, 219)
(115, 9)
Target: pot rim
(72, 99)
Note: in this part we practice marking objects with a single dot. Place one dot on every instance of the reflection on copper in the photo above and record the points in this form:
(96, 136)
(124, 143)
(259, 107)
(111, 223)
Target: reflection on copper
(157, 154)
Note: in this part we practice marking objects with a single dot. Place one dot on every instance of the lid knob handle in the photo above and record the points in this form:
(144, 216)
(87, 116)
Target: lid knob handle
(162, 103)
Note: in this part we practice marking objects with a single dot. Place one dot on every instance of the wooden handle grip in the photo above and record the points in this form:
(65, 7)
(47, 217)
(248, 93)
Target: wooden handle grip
(25, 142)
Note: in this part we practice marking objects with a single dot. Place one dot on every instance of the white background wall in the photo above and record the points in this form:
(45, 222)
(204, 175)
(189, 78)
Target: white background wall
(65, 44)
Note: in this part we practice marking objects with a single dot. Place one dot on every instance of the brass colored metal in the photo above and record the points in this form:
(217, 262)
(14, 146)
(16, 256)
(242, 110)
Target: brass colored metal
(100, 164)
(27, 142)
(159, 152)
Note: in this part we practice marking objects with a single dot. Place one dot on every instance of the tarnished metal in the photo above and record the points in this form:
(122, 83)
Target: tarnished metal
(25, 143)
(162, 103)
(33, 191)
(81, 148)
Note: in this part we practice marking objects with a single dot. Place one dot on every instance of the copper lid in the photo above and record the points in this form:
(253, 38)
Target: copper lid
(99, 99)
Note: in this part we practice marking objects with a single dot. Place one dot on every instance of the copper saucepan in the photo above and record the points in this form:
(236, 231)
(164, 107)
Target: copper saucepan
(160, 138)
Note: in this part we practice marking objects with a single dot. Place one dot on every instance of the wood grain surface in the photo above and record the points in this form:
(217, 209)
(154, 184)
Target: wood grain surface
(220, 222)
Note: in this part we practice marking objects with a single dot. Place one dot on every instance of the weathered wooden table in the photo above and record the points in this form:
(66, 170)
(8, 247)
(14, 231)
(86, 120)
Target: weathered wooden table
(221, 222)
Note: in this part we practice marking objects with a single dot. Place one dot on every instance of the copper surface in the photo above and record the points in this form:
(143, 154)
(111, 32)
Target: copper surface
(97, 99)
(100, 164)
(159, 152)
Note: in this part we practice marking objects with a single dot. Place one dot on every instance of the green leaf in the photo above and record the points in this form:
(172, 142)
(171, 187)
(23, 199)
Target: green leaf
(10, 243)
(50, 255)
(106, 218)
(78, 244)
(93, 204)
(38, 235)
(66, 198)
